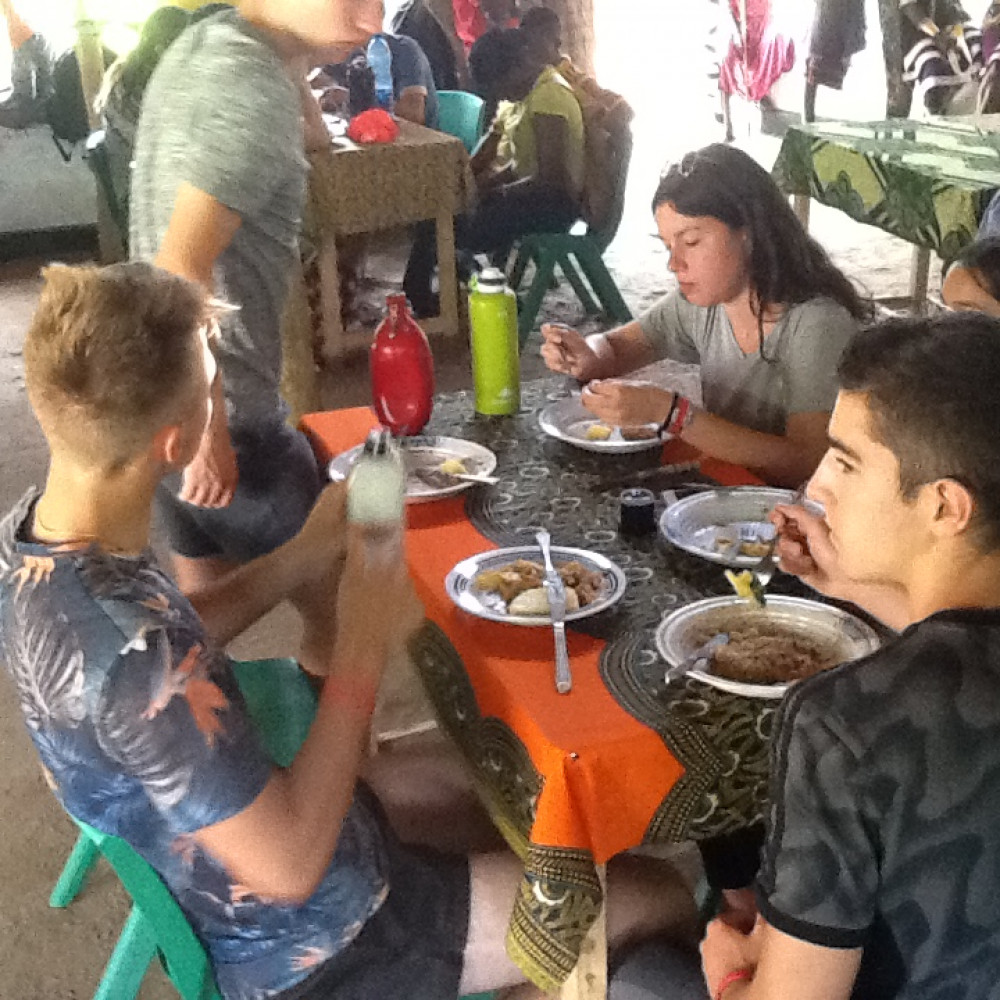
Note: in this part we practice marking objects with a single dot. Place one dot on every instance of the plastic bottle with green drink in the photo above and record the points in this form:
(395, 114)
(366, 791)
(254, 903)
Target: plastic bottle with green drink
(496, 373)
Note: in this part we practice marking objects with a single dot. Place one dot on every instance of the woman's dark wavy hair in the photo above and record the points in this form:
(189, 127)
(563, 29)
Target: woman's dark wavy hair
(787, 266)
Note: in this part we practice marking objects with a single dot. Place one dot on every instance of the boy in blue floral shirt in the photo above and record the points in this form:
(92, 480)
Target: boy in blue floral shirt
(291, 877)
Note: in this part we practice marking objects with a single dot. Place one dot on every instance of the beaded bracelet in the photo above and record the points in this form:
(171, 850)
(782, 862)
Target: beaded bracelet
(736, 976)
(679, 416)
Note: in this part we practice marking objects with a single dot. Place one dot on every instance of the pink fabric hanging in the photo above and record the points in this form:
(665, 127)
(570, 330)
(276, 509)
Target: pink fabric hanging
(768, 55)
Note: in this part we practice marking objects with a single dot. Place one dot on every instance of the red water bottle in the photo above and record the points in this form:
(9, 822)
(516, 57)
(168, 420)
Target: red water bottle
(402, 371)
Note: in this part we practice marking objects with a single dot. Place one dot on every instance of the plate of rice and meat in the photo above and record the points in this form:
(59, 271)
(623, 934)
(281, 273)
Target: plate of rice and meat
(508, 585)
(769, 647)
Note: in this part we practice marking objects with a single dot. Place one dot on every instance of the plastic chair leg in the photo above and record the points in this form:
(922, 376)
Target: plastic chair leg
(129, 961)
(545, 262)
(520, 265)
(593, 266)
(578, 284)
(82, 858)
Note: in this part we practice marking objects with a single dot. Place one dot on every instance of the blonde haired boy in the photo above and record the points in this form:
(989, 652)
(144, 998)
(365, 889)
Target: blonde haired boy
(291, 877)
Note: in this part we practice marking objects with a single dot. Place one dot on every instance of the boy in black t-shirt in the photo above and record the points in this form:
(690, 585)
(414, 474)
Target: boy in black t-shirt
(882, 860)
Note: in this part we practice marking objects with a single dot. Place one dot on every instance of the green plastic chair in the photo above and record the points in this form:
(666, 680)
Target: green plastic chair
(461, 114)
(282, 704)
(579, 255)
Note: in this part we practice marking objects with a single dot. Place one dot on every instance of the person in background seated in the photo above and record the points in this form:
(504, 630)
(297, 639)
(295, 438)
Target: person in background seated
(120, 98)
(759, 306)
(293, 878)
(537, 188)
(416, 20)
(973, 281)
(883, 837)
(414, 90)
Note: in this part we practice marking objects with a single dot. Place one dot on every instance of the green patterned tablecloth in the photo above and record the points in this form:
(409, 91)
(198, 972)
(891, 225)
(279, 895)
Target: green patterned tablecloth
(925, 183)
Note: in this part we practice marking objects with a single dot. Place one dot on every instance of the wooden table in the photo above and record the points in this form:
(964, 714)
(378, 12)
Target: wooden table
(356, 189)
(927, 183)
(623, 760)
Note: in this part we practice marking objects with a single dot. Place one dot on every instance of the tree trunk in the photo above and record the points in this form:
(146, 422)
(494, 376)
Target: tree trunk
(577, 17)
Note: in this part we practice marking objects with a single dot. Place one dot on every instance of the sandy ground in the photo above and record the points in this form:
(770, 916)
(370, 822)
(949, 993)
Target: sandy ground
(48, 954)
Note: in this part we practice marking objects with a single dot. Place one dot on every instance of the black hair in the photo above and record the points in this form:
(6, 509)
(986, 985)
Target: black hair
(494, 55)
(983, 257)
(787, 266)
(931, 387)
(540, 19)
(159, 31)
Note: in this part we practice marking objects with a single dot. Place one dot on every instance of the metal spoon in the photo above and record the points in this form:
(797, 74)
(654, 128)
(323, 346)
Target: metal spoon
(704, 652)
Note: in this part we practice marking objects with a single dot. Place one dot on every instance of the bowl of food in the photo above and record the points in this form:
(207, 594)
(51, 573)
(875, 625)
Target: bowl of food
(727, 526)
(769, 647)
(508, 585)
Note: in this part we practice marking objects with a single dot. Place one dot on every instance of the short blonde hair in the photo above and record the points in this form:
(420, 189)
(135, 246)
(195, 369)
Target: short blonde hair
(109, 354)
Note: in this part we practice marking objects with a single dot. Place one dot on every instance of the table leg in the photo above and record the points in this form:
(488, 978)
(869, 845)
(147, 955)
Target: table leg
(589, 979)
(800, 205)
(447, 281)
(299, 377)
(334, 340)
(920, 267)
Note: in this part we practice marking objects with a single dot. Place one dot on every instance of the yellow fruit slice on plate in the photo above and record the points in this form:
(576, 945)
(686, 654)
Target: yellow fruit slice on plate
(747, 586)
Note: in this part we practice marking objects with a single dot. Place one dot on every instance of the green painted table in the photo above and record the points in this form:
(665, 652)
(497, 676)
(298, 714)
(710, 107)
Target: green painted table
(927, 183)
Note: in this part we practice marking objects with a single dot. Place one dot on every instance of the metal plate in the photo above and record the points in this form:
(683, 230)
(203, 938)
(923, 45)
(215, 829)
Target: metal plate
(568, 420)
(487, 604)
(684, 630)
(426, 452)
(707, 524)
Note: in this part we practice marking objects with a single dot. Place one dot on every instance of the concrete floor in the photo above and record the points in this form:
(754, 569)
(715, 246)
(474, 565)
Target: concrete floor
(59, 955)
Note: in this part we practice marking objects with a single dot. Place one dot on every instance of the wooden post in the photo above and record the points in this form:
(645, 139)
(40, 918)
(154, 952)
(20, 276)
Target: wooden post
(920, 267)
(90, 57)
(89, 52)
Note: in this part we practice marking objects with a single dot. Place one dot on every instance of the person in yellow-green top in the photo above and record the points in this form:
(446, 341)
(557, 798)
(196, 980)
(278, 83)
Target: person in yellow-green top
(537, 185)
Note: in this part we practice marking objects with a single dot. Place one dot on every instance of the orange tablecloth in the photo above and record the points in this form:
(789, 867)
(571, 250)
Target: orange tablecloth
(601, 773)
(584, 742)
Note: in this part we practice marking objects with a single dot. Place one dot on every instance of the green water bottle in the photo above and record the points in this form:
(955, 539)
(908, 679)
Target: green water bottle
(493, 320)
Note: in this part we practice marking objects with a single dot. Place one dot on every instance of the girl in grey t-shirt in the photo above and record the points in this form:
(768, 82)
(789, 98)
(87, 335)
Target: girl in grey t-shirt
(759, 306)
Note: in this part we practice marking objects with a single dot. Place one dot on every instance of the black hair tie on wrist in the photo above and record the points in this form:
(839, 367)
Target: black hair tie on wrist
(670, 414)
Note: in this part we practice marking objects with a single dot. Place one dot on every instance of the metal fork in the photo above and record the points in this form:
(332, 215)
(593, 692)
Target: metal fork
(556, 592)
(765, 569)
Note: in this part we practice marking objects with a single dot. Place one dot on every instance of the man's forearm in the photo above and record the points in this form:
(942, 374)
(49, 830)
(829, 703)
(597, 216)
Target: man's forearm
(231, 604)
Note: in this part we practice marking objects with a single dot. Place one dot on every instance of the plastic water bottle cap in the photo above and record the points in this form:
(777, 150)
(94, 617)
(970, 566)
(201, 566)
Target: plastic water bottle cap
(491, 280)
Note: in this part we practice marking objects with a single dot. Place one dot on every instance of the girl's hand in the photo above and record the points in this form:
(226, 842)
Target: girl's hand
(564, 350)
(627, 404)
